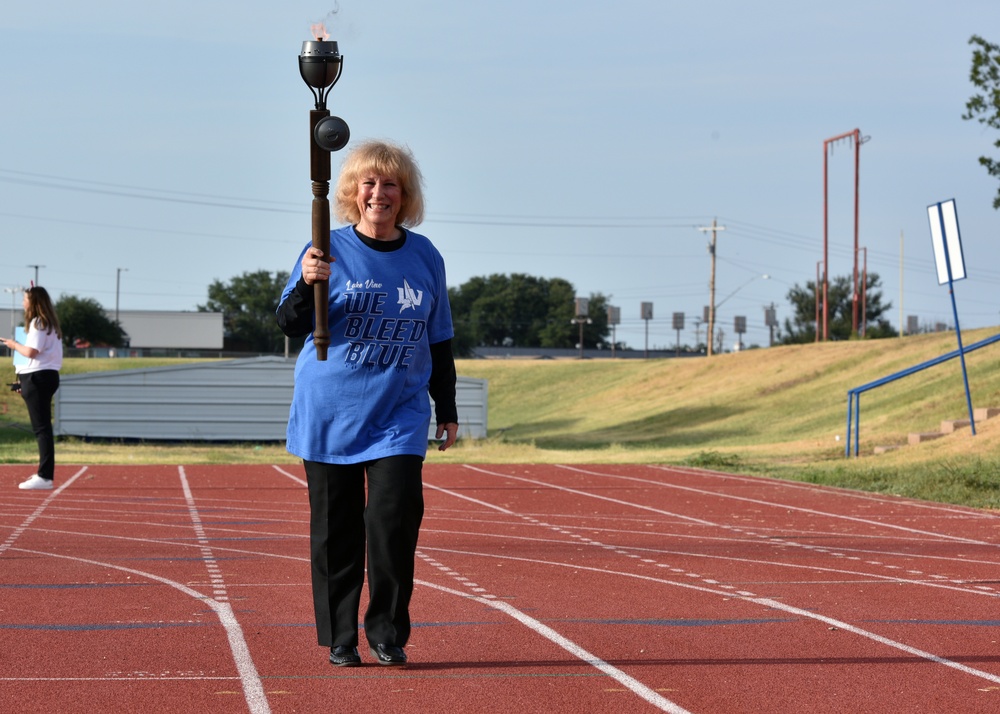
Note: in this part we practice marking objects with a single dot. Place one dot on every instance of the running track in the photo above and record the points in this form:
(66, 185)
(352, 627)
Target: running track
(539, 589)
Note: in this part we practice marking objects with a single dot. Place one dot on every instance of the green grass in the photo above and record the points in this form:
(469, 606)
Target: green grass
(774, 412)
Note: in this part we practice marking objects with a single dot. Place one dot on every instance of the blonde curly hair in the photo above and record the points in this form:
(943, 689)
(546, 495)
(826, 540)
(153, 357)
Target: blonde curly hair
(385, 159)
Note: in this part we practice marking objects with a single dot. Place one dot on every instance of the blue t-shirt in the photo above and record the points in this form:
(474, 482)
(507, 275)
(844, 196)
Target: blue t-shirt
(369, 398)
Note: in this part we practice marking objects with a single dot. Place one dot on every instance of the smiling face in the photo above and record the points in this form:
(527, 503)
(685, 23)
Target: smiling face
(379, 200)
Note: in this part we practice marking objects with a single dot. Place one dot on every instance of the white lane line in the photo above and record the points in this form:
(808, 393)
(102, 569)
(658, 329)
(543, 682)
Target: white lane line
(253, 688)
(772, 504)
(939, 581)
(932, 534)
(256, 699)
(879, 638)
(204, 545)
(747, 597)
(545, 484)
(616, 549)
(16, 533)
(765, 602)
(627, 681)
(483, 596)
(966, 511)
(782, 506)
(293, 477)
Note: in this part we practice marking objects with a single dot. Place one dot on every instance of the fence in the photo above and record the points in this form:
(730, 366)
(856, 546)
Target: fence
(854, 395)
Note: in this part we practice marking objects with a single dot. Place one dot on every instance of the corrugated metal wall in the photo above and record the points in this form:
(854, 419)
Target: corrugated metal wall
(231, 400)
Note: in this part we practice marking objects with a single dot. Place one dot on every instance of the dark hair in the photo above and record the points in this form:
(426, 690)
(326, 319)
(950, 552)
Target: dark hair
(40, 308)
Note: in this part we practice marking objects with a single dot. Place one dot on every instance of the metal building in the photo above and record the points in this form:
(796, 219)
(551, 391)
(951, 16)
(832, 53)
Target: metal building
(149, 329)
(229, 400)
(172, 330)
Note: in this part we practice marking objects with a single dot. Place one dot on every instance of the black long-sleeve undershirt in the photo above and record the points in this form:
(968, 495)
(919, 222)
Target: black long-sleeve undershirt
(295, 317)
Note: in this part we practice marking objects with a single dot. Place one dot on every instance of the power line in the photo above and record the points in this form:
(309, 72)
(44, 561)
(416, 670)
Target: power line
(166, 199)
(132, 187)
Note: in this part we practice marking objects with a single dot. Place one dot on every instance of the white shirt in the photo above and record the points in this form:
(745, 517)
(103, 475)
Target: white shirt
(49, 348)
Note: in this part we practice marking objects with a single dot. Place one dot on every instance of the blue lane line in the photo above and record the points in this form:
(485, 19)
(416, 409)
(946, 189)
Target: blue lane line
(643, 623)
(972, 623)
(71, 586)
(105, 627)
(181, 559)
(684, 623)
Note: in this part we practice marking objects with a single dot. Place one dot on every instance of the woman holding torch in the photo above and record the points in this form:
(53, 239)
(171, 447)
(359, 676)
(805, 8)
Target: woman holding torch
(363, 414)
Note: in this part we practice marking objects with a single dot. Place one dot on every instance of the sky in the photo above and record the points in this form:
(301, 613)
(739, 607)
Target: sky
(149, 149)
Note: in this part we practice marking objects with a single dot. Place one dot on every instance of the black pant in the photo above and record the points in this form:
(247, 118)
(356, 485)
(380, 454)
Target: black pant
(37, 389)
(342, 525)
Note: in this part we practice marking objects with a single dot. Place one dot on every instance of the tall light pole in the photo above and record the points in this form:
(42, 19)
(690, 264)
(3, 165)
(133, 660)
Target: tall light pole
(711, 282)
(765, 276)
(722, 302)
(614, 319)
(13, 290)
(118, 284)
(582, 307)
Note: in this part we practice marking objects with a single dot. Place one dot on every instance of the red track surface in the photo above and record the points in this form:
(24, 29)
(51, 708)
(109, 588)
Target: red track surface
(540, 589)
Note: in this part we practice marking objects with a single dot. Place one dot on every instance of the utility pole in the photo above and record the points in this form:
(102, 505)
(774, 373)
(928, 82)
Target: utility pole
(711, 281)
(819, 303)
(857, 139)
(118, 282)
(36, 267)
(582, 306)
(901, 332)
(864, 292)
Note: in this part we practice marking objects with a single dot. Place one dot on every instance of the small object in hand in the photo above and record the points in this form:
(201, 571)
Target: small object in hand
(15, 387)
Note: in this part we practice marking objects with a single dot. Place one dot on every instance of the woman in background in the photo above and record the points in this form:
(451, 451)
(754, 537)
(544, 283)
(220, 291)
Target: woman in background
(39, 378)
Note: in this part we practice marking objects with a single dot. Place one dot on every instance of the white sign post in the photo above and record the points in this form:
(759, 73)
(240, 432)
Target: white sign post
(950, 262)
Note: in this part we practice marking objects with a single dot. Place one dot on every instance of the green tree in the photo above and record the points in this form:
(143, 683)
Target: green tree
(84, 320)
(802, 327)
(985, 106)
(248, 303)
(521, 310)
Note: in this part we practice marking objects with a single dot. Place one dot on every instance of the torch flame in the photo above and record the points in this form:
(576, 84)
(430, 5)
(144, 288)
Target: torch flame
(319, 31)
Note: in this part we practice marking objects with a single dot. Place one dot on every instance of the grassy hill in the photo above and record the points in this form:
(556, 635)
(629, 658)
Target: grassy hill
(776, 412)
(786, 404)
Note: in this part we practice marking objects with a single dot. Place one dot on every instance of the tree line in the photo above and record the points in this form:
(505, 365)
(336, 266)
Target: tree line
(515, 310)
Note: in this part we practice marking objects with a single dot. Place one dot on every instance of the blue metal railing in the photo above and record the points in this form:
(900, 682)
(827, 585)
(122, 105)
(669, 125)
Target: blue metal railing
(854, 395)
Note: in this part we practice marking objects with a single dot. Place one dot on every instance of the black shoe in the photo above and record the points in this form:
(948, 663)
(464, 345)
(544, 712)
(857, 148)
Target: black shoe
(344, 656)
(388, 654)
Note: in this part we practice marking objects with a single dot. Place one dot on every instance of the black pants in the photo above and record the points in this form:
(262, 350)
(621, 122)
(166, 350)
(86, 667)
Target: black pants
(37, 389)
(342, 525)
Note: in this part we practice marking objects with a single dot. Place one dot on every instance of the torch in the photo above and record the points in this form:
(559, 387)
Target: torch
(320, 64)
